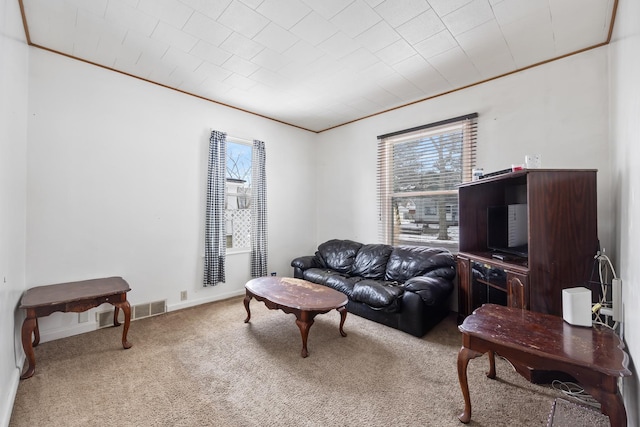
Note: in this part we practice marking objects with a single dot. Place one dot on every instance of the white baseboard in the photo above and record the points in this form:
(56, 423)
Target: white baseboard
(6, 401)
(213, 298)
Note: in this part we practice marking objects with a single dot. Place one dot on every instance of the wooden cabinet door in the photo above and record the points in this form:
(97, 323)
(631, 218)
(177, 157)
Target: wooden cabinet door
(517, 290)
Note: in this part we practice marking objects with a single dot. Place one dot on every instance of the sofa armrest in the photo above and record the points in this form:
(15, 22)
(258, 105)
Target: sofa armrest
(305, 262)
(432, 290)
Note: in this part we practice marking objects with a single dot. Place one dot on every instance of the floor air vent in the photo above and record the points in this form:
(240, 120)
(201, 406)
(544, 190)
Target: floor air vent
(105, 318)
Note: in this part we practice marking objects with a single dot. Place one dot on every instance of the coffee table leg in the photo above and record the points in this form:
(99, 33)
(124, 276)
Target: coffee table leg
(247, 300)
(464, 356)
(126, 310)
(343, 316)
(304, 320)
(492, 365)
(28, 327)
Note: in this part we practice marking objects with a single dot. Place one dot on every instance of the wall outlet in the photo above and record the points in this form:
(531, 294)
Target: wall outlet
(183, 296)
(274, 273)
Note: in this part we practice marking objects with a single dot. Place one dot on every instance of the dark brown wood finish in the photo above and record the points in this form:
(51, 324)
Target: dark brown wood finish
(71, 297)
(594, 356)
(563, 239)
(302, 298)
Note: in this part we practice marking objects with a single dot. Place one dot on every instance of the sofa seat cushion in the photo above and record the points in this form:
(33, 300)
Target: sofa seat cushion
(378, 294)
(338, 255)
(331, 279)
(406, 262)
(371, 261)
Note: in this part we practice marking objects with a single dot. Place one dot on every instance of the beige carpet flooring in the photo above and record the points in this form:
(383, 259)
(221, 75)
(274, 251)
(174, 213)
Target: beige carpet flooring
(204, 366)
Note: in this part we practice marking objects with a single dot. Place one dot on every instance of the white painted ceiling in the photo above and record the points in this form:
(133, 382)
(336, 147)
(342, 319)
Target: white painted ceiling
(317, 64)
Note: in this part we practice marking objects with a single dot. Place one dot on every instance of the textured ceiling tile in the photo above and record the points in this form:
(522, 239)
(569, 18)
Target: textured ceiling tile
(276, 38)
(468, 17)
(397, 13)
(436, 44)
(253, 4)
(241, 82)
(95, 7)
(508, 11)
(530, 39)
(314, 29)
(207, 29)
(212, 72)
(444, 7)
(455, 67)
(419, 72)
(396, 52)
(377, 37)
(212, 9)
(402, 88)
(285, 13)
(356, 18)
(170, 11)
(240, 66)
(270, 60)
(174, 37)
(421, 27)
(210, 53)
(487, 49)
(241, 46)
(121, 13)
(182, 59)
(327, 8)
(339, 45)
(243, 19)
(303, 52)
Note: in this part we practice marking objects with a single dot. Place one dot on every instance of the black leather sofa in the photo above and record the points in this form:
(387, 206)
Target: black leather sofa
(405, 287)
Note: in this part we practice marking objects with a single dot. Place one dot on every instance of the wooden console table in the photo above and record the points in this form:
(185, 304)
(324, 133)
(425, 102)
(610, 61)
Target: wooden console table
(593, 356)
(71, 297)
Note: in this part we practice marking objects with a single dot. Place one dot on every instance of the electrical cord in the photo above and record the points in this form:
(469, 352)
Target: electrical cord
(574, 391)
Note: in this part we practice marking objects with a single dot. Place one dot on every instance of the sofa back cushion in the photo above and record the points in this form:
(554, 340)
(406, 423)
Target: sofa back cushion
(371, 261)
(406, 262)
(338, 255)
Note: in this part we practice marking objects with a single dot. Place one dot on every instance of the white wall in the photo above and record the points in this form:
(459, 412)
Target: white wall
(13, 141)
(559, 110)
(116, 186)
(625, 137)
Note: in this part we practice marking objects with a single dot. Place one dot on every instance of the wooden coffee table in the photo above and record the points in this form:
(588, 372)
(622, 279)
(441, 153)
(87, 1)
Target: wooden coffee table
(593, 356)
(71, 297)
(304, 299)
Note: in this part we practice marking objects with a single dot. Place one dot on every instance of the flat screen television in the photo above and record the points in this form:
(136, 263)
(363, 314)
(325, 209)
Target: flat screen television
(507, 229)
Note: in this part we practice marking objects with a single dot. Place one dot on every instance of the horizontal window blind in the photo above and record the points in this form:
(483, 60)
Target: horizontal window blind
(419, 170)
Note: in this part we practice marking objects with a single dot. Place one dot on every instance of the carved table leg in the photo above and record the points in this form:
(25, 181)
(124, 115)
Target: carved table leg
(343, 316)
(492, 365)
(247, 299)
(36, 334)
(28, 327)
(464, 356)
(126, 309)
(304, 321)
(116, 311)
(612, 403)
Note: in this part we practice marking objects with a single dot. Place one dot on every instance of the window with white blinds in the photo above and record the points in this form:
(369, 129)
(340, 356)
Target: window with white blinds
(419, 171)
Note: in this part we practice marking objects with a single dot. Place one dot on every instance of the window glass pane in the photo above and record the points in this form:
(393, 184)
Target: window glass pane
(238, 189)
(426, 220)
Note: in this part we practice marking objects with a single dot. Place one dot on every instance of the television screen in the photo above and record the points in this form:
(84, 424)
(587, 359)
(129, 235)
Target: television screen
(507, 229)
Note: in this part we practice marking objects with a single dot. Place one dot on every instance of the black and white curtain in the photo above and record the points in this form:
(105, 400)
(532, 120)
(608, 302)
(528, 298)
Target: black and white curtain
(258, 211)
(215, 245)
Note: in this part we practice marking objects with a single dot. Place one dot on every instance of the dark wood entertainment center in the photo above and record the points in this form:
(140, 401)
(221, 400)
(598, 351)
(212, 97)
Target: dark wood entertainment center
(562, 239)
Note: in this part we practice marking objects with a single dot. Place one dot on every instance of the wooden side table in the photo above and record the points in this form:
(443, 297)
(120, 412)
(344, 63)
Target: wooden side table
(593, 356)
(71, 297)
